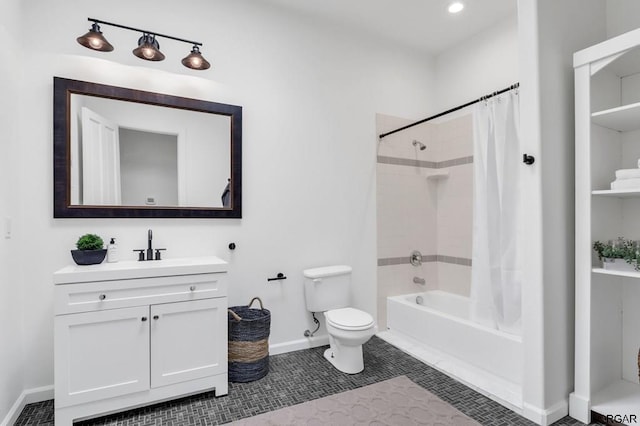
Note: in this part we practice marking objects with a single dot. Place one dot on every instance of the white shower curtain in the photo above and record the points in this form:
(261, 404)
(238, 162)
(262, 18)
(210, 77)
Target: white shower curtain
(496, 270)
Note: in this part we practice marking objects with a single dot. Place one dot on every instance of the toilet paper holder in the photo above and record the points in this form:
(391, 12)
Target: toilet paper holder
(278, 277)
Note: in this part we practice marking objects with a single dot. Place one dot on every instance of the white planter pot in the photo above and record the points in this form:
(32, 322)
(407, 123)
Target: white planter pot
(617, 265)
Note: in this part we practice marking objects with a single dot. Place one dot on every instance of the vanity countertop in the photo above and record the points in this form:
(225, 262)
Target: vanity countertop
(135, 269)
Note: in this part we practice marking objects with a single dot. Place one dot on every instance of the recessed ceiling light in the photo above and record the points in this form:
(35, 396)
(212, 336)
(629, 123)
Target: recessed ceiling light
(456, 7)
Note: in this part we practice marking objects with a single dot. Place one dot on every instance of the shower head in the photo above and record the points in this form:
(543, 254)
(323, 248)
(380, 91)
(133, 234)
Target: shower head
(420, 144)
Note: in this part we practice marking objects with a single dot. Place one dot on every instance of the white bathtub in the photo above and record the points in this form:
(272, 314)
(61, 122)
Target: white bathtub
(442, 323)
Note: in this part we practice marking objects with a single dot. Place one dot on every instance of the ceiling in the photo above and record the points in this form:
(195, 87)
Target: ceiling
(419, 24)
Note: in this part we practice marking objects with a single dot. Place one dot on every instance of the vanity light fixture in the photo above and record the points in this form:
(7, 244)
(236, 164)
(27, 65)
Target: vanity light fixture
(148, 47)
(95, 40)
(455, 7)
(194, 60)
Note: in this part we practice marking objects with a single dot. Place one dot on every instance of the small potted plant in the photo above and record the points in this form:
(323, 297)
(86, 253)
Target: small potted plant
(619, 254)
(90, 250)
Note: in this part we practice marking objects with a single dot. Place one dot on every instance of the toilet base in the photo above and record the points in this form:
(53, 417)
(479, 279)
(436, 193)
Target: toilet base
(347, 359)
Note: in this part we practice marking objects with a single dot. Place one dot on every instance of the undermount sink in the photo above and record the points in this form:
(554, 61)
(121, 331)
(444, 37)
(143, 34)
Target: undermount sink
(136, 269)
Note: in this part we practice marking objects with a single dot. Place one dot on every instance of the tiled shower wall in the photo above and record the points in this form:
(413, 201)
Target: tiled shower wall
(424, 203)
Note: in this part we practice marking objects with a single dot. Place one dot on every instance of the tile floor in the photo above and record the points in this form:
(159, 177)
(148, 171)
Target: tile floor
(297, 377)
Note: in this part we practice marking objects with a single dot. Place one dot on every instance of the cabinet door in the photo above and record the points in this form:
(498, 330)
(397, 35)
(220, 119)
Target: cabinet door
(188, 340)
(100, 355)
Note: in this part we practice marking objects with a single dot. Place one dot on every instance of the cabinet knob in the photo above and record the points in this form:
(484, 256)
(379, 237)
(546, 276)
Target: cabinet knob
(102, 296)
(192, 288)
(156, 317)
(143, 319)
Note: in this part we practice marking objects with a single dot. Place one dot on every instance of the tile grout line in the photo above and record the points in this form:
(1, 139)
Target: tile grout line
(404, 260)
(396, 161)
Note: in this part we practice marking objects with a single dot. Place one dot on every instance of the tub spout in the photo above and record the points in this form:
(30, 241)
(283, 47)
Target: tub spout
(418, 280)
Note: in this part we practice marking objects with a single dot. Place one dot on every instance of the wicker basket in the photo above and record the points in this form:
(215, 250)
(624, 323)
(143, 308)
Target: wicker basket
(248, 342)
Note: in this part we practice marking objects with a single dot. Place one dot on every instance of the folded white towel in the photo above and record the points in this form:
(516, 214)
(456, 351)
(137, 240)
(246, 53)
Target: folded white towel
(626, 184)
(628, 174)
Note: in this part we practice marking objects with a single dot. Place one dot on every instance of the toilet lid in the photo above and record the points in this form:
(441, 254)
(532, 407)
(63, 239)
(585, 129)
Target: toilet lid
(349, 319)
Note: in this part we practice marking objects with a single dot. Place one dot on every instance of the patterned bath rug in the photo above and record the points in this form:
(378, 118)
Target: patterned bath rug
(397, 401)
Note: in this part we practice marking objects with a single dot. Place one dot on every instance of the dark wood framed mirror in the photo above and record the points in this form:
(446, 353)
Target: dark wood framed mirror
(120, 152)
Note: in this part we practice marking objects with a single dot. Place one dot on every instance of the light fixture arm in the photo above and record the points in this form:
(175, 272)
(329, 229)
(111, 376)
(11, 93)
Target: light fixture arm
(98, 21)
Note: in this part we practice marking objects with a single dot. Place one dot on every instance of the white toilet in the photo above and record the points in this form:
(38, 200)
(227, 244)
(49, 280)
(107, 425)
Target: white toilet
(326, 290)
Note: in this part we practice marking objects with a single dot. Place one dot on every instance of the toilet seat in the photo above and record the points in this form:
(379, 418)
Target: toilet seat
(349, 319)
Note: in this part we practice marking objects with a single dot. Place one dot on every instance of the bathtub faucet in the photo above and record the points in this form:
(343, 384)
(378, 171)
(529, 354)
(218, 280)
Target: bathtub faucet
(418, 280)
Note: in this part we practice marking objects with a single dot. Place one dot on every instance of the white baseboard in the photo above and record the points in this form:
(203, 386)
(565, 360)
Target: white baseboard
(548, 416)
(28, 396)
(580, 408)
(296, 345)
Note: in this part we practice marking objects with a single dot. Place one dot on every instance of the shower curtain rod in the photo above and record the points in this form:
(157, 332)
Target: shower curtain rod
(424, 120)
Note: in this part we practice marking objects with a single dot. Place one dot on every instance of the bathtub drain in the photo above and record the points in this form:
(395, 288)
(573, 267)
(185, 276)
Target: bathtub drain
(419, 300)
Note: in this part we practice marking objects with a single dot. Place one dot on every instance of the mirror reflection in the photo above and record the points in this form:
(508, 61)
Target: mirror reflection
(133, 154)
(122, 152)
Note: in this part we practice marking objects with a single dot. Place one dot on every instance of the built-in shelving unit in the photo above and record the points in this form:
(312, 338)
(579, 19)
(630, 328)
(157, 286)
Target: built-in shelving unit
(607, 321)
(616, 398)
(618, 193)
(622, 119)
(628, 274)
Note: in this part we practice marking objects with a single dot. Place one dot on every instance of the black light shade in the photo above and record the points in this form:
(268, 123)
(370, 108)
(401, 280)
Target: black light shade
(95, 40)
(195, 61)
(148, 48)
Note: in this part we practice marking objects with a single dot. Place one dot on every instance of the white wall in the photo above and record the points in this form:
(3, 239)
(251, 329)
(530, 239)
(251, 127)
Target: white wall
(550, 31)
(310, 94)
(146, 176)
(11, 351)
(622, 16)
(479, 66)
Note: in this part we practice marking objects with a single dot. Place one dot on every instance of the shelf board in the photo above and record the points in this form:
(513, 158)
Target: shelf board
(619, 193)
(622, 397)
(622, 119)
(628, 274)
(437, 175)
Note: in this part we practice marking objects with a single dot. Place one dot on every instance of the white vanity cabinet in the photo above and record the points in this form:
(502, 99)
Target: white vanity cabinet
(133, 333)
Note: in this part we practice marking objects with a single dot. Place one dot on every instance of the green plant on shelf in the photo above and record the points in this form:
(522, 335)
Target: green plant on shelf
(90, 242)
(620, 248)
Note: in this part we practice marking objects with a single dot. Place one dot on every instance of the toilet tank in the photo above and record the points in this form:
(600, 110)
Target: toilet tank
(327, 288)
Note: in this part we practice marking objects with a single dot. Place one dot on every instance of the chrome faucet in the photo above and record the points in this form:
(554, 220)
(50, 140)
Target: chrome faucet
(418, 280)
